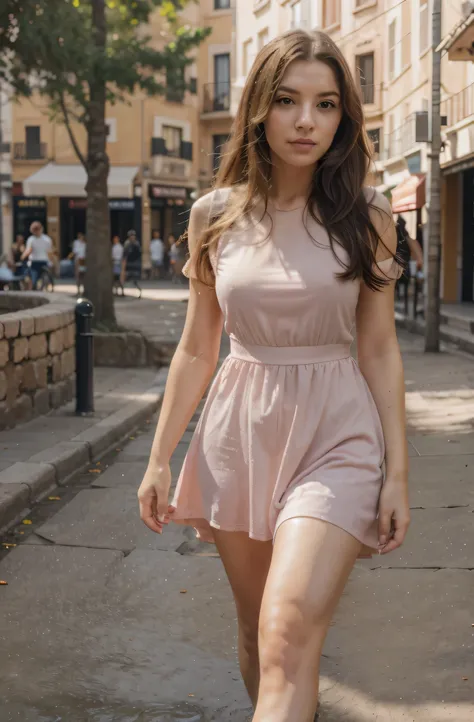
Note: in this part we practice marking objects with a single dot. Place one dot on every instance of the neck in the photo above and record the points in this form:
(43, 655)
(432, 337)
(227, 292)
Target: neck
(290, 186)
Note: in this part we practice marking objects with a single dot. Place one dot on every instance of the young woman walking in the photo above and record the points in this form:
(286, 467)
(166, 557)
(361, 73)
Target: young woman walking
(298, 465)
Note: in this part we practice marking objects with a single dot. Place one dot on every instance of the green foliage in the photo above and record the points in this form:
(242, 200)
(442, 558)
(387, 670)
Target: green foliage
(50, 47)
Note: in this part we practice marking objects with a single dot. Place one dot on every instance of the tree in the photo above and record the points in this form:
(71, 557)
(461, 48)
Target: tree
(81, 54)
(432, 313)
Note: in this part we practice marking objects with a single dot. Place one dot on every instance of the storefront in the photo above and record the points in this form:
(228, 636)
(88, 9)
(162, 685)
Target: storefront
(125, 214)
(63, 188)
(169, 209)
(25, 211)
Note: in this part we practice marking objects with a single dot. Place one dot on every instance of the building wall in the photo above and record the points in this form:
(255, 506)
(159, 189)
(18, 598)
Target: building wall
(133, 124)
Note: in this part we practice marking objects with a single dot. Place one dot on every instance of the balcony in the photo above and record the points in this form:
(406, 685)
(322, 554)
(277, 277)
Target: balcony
(402, 140)
(460, 106)
(171, 163)
(216, 98)
(22, 151)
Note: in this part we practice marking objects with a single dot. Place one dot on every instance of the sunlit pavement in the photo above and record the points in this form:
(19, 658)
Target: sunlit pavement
(152, 290)
(105, 622)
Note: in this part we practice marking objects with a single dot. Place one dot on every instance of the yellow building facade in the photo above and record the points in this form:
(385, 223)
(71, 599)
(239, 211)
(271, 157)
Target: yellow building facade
(388, 45)
(163, 151)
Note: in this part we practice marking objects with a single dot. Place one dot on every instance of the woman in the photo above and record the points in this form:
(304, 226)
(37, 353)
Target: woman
(284, 472)
(117, 256)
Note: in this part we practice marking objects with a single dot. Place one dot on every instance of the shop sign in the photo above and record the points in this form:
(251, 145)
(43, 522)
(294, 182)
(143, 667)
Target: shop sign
(124, 205)
(31, 203)
(167, 192)
(114, 205)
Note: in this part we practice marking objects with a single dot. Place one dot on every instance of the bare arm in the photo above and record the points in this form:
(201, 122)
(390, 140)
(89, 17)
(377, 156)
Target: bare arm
(191, 370)
(381, 365)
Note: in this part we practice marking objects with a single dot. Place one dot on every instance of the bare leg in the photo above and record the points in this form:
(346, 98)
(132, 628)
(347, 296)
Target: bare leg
(310, 565)
(246, 563)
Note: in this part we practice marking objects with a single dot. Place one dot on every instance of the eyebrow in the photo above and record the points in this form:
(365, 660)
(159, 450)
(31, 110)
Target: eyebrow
(324, 94)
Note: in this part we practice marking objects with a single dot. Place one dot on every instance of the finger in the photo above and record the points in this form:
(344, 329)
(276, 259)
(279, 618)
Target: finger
(147, 516)
(385, 523)
(162, 510)
(397, 539)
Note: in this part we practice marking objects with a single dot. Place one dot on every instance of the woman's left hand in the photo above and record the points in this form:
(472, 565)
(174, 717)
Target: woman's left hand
(394, 515)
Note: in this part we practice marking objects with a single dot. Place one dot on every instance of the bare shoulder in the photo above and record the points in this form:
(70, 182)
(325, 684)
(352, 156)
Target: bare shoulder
(210, 204)
(377, 202)
(380, 212)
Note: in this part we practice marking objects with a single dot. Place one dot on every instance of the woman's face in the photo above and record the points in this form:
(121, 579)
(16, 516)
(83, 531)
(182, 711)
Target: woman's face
(305, 114)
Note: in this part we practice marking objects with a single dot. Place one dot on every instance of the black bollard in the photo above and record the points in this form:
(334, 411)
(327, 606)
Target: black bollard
(84, 357)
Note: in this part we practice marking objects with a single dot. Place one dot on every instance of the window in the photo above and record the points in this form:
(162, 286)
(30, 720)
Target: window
(218, 141)
(331, 13)
(221, 4)
(262, 38)
(173, 137)
(222, 82)
(33, 141)
(392, 49)
(374, 137)
(111, 125)
(424, 26)
(296, 14)
(175, 85)
(365, 71)
(246, 57)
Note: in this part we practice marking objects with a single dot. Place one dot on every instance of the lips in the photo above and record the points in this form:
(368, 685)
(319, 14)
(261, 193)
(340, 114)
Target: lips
(303, 143)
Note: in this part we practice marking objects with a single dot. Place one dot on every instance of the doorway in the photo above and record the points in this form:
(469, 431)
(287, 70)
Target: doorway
(467, 290)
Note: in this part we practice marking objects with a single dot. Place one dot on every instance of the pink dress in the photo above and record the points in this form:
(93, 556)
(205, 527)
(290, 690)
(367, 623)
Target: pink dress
(289, 427)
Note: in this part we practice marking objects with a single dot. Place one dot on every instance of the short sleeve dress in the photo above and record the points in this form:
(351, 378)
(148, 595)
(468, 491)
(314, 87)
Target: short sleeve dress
(289, 427)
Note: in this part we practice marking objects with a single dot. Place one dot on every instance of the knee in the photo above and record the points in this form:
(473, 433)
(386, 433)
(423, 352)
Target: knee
(285, 635)
(248, 629)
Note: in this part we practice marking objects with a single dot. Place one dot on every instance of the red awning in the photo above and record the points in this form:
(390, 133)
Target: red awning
(409, 195)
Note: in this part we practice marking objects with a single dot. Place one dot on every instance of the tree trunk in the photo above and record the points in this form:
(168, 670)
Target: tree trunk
(432, 311)
(98, 280)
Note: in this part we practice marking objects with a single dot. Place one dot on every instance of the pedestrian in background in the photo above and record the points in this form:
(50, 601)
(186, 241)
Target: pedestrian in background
(117, 256)
(299, 462)
(411, 255)
(177, 259)
(157, 252)
(132, 261)
(79, 251)
(39, 252)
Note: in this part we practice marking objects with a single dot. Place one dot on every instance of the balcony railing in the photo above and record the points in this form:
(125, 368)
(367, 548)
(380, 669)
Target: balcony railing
(459, 106)
(22, 151)
(158, 147)
(401, 140)
(216, 97)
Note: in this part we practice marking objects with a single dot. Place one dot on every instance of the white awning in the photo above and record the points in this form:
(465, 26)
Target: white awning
(70, 180)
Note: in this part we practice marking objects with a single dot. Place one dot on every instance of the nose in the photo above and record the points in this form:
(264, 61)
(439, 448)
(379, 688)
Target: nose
(305, 120)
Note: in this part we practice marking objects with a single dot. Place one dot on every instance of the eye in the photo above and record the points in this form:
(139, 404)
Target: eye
(283, 100)
(328, 103)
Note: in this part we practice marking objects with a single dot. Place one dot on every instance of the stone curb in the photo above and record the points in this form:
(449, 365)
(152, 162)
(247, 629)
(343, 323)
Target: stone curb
(24, 483)
(456, 342)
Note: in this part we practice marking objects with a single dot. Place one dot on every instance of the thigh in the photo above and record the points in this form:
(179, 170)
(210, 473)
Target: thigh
(246, 562)
(311, 562)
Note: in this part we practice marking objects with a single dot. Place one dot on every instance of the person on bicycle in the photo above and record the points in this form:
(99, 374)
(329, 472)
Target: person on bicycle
(39, 251)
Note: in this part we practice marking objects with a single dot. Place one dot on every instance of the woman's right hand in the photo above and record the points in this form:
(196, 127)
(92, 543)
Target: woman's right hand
(153, 496)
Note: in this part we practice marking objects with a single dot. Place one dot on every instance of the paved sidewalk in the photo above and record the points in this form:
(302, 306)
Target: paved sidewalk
(37, 456)
(106, 622)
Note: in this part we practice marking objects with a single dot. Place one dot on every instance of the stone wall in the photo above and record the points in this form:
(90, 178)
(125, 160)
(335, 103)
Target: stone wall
(37, 355)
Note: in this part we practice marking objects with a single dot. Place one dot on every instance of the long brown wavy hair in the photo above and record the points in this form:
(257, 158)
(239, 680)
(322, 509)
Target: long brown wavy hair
(336, 191)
